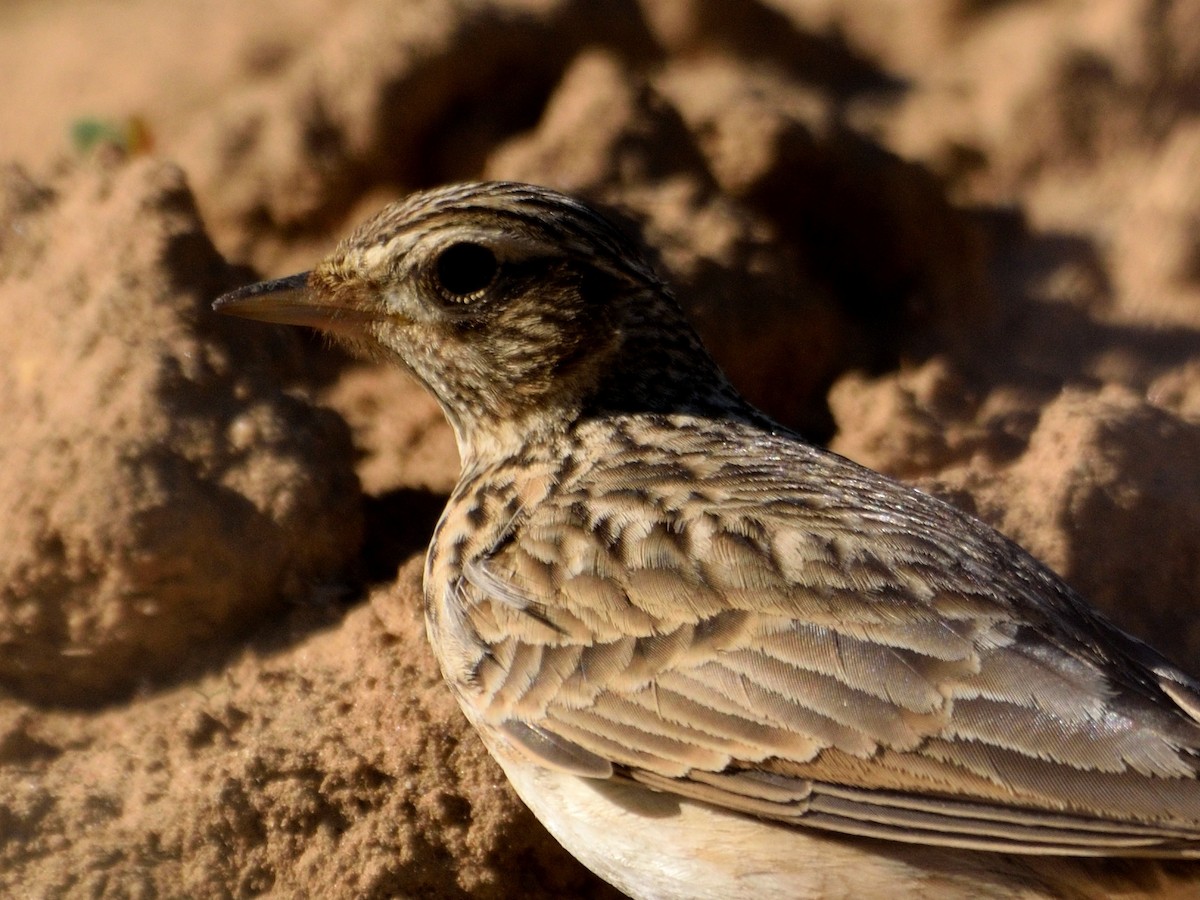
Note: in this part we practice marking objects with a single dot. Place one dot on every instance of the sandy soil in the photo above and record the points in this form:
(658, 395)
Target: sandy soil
(956, 240)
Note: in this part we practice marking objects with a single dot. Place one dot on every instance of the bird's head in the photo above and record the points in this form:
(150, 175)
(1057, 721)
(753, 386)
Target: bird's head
(519, 308)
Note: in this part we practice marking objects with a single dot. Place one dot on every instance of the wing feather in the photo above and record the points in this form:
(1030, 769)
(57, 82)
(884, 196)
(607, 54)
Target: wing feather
(846, 655)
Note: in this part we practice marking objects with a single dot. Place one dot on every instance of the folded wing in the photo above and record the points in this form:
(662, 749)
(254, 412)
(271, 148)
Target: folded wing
(882, 666)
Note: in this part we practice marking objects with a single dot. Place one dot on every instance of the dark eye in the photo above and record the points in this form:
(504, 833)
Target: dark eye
(465, 269)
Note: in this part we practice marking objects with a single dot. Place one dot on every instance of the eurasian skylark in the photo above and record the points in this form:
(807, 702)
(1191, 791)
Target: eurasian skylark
(715, 660)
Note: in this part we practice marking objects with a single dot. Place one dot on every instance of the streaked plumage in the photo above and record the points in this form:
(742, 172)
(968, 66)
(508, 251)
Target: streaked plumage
(643, 588)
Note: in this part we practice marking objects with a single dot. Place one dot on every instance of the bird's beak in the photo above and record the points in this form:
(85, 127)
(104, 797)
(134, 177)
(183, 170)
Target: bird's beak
(293, 301)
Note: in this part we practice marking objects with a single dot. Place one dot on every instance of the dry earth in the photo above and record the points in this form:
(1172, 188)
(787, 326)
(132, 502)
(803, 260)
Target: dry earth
(957, 240)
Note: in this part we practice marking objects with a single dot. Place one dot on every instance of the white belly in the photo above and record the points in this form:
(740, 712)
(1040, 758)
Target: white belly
(655, 846)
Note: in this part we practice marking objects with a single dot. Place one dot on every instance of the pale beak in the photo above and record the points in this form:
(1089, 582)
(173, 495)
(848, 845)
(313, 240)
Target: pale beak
(293, 301)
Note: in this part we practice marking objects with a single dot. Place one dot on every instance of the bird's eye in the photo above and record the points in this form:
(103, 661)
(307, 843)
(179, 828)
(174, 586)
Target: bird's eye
(465, 269)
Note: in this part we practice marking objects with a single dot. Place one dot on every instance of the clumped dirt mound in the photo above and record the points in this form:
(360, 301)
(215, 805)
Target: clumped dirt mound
(158, 486)
(956, 240)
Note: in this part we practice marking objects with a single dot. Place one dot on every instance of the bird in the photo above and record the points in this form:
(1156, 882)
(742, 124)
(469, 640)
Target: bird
(715, 659)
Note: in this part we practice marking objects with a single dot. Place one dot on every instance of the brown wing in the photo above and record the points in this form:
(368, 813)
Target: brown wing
(849, 655)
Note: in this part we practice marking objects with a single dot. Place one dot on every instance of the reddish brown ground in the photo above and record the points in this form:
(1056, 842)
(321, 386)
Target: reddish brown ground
(957, 240)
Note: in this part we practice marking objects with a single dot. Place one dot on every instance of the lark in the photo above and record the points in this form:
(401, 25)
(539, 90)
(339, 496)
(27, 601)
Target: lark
(715, 660)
